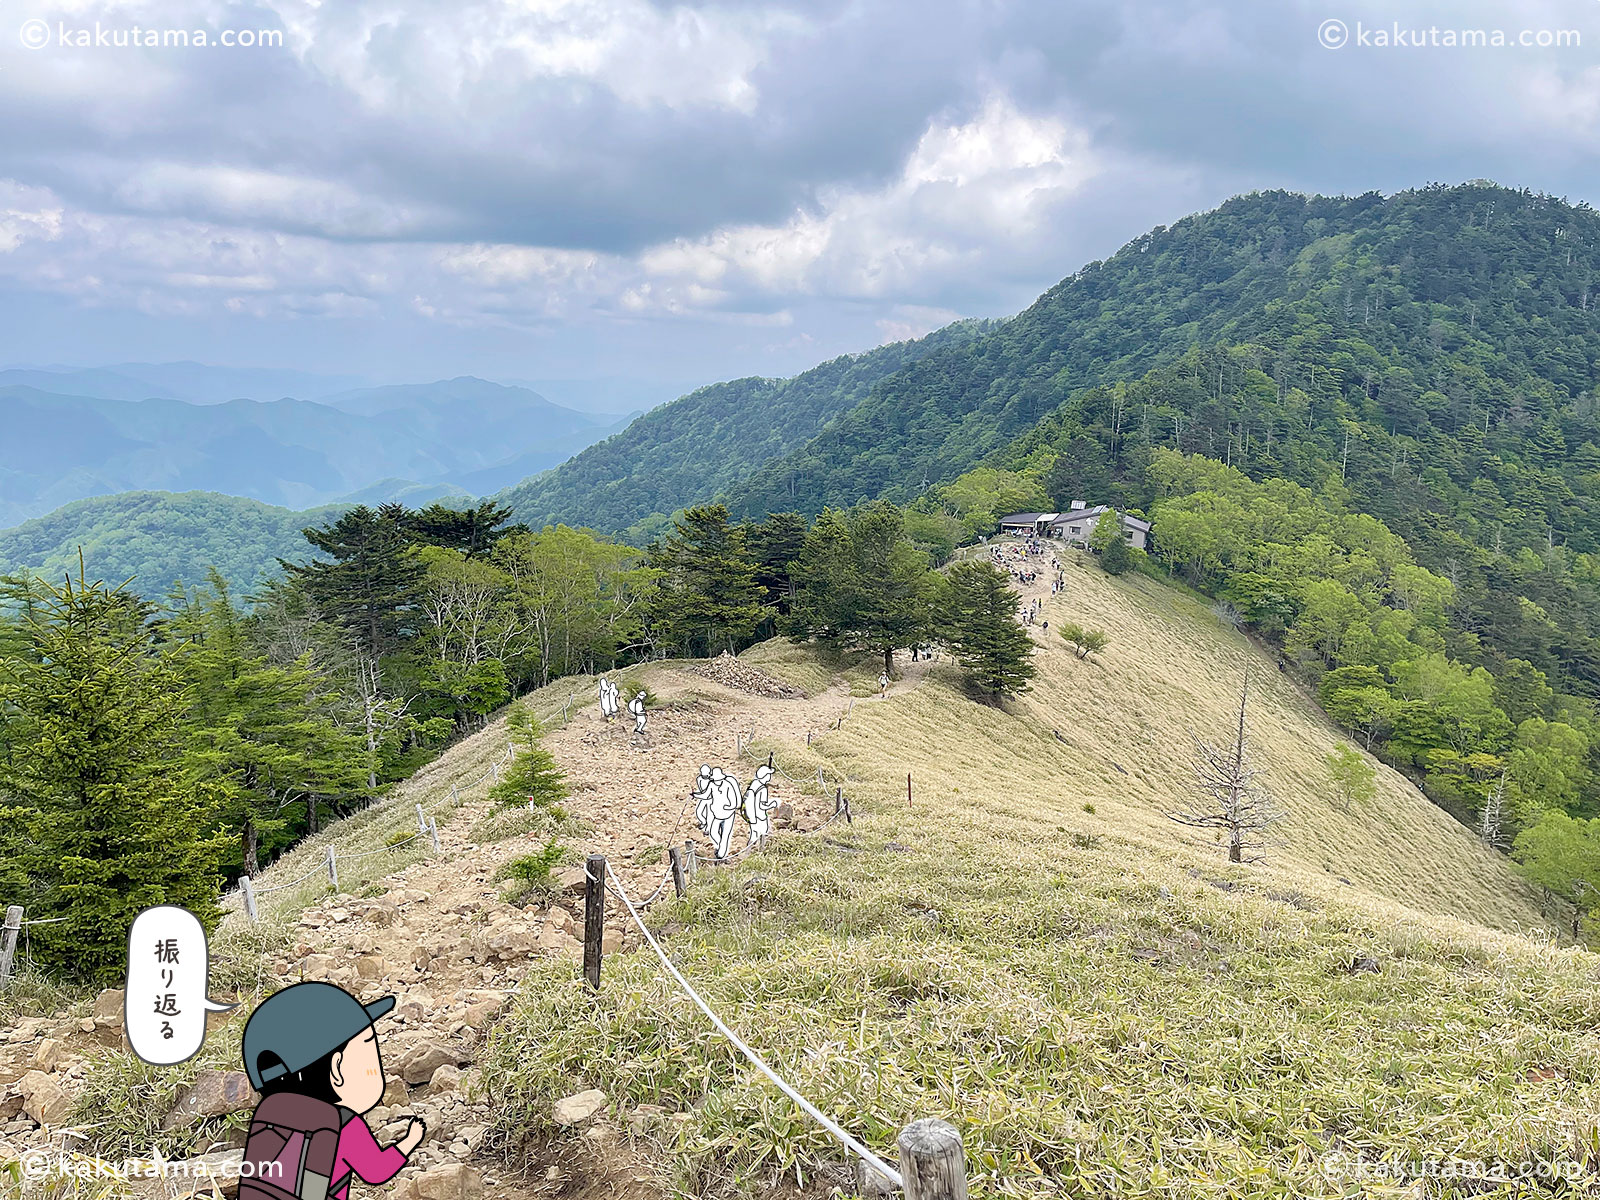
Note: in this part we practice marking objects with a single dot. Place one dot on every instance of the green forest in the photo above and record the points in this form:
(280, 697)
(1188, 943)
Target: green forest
(708, 441)
(159, 538)
(232, 729)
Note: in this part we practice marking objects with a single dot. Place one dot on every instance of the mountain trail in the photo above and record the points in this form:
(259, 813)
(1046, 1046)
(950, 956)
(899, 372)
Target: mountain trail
(441, 937)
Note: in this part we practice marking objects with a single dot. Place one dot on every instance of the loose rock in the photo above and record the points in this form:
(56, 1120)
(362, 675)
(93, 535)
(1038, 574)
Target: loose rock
(43, 1098)
(424, 1059)
(732, 673)
(579, 1107)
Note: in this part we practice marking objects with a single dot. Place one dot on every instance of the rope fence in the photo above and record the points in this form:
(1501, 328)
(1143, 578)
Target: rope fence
(247, 894)
(932, 1159)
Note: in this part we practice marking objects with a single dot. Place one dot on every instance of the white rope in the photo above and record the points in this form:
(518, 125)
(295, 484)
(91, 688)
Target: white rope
(810, 1109)
(660, 887)
(316, 870)
(38, 921)
(379, 850)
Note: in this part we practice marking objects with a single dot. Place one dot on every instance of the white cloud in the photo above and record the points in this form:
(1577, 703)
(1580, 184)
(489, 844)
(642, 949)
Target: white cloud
(906, 322)
(965, 187)
(27, 214)
(969, 191)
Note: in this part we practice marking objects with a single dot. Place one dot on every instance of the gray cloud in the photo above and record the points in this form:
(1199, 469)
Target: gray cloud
(593, 178)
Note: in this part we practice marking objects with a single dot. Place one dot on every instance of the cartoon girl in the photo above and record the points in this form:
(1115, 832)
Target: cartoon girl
(312, 1052)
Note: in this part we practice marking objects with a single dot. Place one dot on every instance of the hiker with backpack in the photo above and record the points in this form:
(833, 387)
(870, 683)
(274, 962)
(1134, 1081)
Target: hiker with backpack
(311, 1050)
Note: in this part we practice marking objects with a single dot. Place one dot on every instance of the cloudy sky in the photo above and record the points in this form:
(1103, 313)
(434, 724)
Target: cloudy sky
(419, 188)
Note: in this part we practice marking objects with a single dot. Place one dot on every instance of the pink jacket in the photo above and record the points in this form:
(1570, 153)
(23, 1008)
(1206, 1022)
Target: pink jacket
(359, 1152)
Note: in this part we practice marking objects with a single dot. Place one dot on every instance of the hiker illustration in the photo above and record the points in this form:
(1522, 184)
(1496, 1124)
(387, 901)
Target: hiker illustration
(702, 798)
(759, 806)
(311, 1050)
(608, 698)
(640, 717)
(726, 797)
(883, 685)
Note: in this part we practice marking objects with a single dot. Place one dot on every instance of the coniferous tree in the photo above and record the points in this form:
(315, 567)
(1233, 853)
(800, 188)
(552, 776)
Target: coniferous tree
(978, 612)
(102, 818)
(371, 584)
(533, 777)
(861, 583)
(259, 735)
(709, 599)
(473, 531)
(1115, 557)
(774, 545)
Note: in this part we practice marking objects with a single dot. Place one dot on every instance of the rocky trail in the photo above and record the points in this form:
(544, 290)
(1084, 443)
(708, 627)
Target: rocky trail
(438, 935)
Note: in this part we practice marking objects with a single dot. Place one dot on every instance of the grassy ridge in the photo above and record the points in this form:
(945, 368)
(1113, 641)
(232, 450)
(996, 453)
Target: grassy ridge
(1170, 668)
(1096, 999)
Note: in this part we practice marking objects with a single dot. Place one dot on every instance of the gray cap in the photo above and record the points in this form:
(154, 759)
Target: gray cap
(302, 1023)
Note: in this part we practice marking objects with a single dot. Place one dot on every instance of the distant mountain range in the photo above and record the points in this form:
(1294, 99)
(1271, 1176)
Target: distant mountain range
(197, 383)
(461, 436)
(712, 439)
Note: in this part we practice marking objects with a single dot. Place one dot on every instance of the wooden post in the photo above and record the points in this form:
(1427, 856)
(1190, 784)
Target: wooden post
(333, 869)
(675, 856)
(908, 789)
(8, 941)
(248, 891)
(770, 753)
(433, 833)
(690, 859)
(821, 782)
(454, 799)
(594, 918)
(422, 821)
(932, 1161)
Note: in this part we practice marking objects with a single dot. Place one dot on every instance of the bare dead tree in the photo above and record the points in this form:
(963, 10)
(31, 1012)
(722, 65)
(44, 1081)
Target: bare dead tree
(1493, 808)
(1230, 797)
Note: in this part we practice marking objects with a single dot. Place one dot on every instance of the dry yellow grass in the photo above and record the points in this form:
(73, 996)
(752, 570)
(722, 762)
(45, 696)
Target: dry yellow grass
(1172, 667)
(1100, 1003)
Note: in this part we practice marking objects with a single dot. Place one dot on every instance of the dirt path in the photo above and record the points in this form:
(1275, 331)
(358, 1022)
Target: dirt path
(439, 936)
(633, 793)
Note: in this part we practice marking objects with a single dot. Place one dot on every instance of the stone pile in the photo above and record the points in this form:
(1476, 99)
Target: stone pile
(732, 673)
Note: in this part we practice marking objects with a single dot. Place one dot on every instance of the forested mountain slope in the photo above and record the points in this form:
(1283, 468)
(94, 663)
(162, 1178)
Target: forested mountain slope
(707, 441)
(1425, 313)
(160, 537)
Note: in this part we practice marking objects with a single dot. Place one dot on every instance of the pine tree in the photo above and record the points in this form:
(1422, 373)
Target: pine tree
(371, 583)
(473, 531)
(775, 544)
(1116, 558)
(104, 821)
(533, 779)
(979, 614)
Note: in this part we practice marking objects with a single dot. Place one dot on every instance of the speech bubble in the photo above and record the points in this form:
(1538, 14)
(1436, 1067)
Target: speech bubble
(164, 1008)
